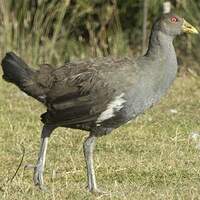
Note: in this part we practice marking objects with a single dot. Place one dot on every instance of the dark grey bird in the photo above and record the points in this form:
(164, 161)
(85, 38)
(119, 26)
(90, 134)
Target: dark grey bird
(101, 94)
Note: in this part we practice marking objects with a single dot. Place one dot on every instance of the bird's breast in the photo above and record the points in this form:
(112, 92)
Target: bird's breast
(148, 92)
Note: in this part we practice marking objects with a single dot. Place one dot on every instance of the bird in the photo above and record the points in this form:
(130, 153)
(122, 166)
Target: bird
(98, 95)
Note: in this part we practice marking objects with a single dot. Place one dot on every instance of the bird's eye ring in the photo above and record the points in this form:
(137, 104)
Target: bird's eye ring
(174, 19)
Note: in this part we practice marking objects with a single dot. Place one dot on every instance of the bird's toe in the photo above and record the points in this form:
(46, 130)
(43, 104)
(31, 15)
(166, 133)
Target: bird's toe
(38, 177)
(98, 191)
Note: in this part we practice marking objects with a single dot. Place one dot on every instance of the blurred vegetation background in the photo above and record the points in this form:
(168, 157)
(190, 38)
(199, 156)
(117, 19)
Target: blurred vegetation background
(152, 158)
(56, 31)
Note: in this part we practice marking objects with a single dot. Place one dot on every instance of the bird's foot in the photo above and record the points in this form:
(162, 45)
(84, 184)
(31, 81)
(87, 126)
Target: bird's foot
(97, 191)
(38, 177)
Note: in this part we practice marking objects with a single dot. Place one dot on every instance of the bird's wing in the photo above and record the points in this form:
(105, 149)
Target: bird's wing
(82, 92)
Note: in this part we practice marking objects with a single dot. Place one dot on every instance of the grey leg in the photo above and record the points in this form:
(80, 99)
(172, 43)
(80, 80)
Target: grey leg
(88, 148)
(39, 168)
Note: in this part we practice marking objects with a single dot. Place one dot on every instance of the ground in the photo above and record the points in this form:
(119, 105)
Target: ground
(152, 157)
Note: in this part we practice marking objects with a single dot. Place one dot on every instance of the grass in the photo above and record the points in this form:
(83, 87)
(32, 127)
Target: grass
(150, 158)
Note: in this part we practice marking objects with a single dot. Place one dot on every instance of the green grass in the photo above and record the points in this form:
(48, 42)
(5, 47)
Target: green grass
(150, 158)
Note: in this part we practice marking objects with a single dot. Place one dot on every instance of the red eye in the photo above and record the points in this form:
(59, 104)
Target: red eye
(174, 19)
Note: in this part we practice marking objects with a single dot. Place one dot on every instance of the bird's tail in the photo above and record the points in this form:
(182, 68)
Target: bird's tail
(16, 71)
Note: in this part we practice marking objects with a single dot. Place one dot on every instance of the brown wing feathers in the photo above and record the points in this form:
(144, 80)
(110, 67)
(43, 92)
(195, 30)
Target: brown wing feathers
(75, 93)
(76, 100)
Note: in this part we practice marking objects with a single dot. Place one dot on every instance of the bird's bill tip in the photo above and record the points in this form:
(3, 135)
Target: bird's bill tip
(188, 28)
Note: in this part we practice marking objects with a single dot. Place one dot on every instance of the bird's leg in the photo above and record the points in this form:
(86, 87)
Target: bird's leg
(88, 148)
(39, 168)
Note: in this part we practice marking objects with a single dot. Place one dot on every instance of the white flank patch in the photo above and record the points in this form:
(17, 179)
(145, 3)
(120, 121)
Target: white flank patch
(112, 107)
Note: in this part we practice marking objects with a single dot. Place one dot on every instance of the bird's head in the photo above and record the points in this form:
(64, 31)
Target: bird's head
(172, 25)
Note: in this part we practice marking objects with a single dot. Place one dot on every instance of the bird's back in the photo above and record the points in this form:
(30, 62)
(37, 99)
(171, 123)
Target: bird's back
(81, 91)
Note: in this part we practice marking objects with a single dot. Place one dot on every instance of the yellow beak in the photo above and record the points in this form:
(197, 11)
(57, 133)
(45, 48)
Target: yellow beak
(188, 28)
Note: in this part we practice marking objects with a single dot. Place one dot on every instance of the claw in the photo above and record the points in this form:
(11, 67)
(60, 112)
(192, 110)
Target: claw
(29, 166)
(38, 176)
(97, 191)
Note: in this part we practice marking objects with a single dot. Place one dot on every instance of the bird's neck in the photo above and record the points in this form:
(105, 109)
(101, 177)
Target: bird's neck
(162, 54)
(161, 45)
